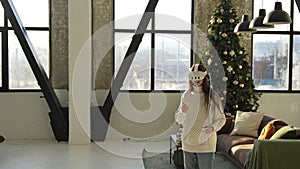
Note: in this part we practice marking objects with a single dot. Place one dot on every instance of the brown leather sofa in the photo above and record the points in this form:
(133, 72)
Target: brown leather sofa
(237, 147)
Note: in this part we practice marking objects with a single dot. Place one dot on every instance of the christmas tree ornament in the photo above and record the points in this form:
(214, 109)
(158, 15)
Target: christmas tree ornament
(207, 53)
(231, 20)
(224, 62)
(232, 53)
(219, 20)
(225, 53)
(210, 31)
(235, 82)
(240, 66)
(241, 52)
(209, 61)
(229, 69)
(224, 35)
(212, 21)
(236, 106)
(225, 79)
(222, 10)
(242, 85)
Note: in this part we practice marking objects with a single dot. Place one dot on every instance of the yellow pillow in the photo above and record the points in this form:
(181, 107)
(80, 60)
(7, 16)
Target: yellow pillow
(247, 123)
(267, 132)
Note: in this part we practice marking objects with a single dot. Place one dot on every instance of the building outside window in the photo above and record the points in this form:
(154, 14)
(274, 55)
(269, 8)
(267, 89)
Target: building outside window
(15, 72)
(276, 51)
(164, 56)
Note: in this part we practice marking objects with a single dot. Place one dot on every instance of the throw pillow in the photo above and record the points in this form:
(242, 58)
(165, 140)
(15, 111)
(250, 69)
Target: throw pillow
(286, 132)
(267, 131)
(247, 123)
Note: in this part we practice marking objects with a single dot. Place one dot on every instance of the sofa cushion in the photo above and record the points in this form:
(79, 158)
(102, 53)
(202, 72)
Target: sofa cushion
(240, 152)
(226, 141)
(247, 123)
(228, 126)
(286, 132)
(267, 131)
(278, 123)
(298, 133)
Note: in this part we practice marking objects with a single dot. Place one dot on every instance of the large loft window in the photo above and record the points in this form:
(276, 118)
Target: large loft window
(15, 72)
(163, 58)
(276, 51)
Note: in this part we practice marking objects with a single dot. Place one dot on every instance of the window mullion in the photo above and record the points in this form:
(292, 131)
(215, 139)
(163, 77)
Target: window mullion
(152, 79)
(5, 76)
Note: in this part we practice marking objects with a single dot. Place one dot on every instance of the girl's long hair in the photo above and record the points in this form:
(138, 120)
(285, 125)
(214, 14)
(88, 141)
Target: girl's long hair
(205, 83)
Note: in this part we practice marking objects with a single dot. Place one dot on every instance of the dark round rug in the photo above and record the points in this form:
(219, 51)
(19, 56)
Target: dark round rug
(162, 161)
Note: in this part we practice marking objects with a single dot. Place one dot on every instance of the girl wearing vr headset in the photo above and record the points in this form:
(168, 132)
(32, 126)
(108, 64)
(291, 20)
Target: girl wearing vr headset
(201, 114)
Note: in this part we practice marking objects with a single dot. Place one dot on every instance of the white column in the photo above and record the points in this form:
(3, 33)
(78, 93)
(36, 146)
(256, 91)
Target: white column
(79, 71)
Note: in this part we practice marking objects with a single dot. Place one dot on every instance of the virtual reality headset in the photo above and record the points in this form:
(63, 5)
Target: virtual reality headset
(197, 75)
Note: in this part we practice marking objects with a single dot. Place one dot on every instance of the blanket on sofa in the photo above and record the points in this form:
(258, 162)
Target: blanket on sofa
(274, 154)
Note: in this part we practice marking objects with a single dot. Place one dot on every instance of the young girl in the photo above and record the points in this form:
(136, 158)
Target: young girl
(201, 114)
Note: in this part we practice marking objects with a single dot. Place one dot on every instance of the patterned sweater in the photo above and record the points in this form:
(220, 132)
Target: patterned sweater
(195, 119)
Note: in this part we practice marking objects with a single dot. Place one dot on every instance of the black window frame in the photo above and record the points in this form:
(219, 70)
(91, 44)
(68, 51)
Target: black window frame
(291, 34)
(153, 31)
(4, 31)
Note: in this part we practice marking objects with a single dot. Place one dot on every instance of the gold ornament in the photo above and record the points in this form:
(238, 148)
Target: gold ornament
(210, 31)
(212, 21)
(207, 53)
(242, 85)
(232, 53)
(225, 79)
(231, 20)
(224, 92)
(222, 10)
(235, 82)
(240, 67)
(236, 106)
(219, 20)
(209, 61)
(241, 52)
(224, 62)
(225, 52)
(224, 35)
(229, 69)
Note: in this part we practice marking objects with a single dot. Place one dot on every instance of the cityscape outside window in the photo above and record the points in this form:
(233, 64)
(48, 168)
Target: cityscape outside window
(276, 51)
(163, 57)
(34, 15)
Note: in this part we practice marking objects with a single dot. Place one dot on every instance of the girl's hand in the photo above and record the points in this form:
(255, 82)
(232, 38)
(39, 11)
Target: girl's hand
(208, 129)
(185, 108)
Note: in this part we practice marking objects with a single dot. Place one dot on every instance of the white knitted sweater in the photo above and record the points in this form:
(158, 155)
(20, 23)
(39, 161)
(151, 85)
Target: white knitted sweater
(196, 118)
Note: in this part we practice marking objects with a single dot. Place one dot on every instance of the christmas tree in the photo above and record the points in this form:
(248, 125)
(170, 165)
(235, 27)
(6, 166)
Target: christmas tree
(239, 91)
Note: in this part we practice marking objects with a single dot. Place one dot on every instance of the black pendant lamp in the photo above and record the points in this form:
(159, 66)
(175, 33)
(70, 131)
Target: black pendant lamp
(277, 16)
(243, 26)
(257, 23)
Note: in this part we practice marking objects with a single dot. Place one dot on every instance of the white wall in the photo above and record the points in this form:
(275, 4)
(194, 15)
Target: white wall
(283, 106)
(25, 115)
